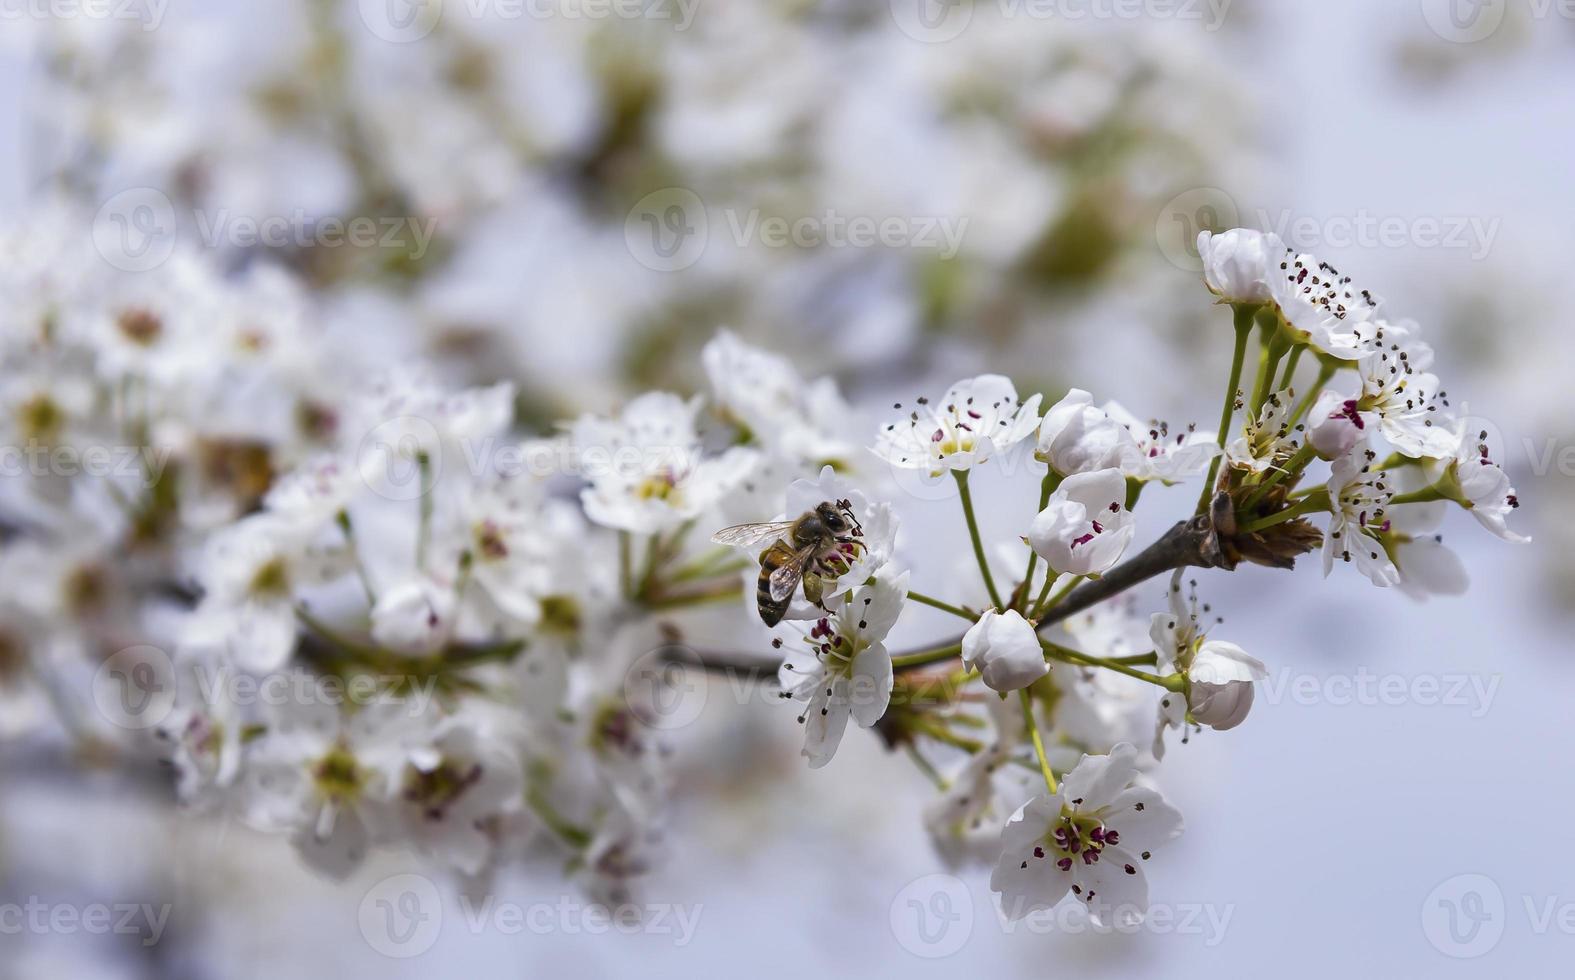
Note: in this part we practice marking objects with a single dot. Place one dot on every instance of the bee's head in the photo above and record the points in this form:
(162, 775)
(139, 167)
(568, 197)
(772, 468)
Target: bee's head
(831, 516)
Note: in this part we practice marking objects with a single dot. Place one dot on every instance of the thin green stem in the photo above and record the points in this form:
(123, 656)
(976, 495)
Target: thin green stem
(343, 520)
(926, 767)
(1422, 496)
(1290, 365)
(1274, 348)
(927, 656)
(424, 531)
(730, 589)
(973, 532)
(947, 737)
(1244, 317)
(717, 561)
(1047, 603)
(1292, 467)
(1149, 659)
(1046, 488)
(362, 652)
(1397, 460)
(1325, 373)
(923, 599)
(1039, 742)
(1067, 655)
(625, 565)
(575, 836)
(1309, 505)
(653, 561)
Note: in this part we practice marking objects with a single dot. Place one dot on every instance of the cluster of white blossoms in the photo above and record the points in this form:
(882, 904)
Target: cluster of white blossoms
(396, 618)
(535, 176)
(1057, 668)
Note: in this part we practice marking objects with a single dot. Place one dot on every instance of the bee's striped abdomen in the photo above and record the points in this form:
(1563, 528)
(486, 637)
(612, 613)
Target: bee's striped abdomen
(773, 558)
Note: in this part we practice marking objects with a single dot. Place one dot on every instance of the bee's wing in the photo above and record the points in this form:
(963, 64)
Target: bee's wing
(744, 535)
(787, 576)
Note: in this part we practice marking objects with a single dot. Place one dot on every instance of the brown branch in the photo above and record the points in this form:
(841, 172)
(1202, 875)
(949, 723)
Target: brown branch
(1190, 543)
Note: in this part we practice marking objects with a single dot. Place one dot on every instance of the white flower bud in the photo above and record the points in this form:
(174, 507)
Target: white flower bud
(1075, 437)
(1236, 264)
(1006, 651)
(413, 616)
(1221, 679)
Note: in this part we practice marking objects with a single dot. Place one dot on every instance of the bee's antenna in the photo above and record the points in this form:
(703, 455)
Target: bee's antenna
(846, 506)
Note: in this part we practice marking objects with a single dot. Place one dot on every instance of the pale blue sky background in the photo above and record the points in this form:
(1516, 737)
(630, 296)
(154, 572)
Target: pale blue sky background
(1319, 828)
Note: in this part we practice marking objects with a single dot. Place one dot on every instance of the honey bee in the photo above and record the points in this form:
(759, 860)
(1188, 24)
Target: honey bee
(807, 550)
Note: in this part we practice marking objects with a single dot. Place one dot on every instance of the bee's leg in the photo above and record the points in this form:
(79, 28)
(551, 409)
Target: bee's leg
(812, 588)
(849, 548)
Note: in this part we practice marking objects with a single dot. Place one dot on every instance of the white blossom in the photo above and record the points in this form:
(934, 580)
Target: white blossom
(647, 468)
(1406, 402)
(1164, 455)
(764, 395)
(1090, 839)
(1321, 307)
(843, 668)
(1484, 487)
(1220, 676)
(1360, 499)
(1086, 527)
(973, 421)
(1268, 440)
(252, 573)
(1428, 567)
